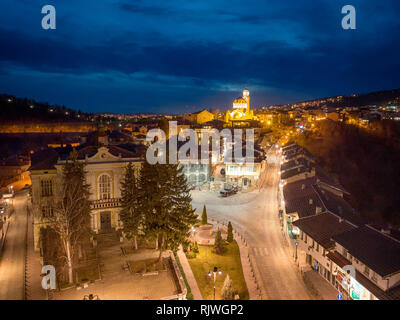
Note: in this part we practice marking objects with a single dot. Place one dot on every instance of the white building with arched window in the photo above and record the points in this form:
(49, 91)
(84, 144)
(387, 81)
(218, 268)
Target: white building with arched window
(104, 168)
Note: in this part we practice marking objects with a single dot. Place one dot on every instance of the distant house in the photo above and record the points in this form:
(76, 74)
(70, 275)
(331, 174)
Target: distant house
(199, 117)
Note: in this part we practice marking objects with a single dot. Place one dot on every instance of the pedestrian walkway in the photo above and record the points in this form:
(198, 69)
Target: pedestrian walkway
(260, 252)
(319, 287)
(248, 272)
(189, 275)
(33, 268)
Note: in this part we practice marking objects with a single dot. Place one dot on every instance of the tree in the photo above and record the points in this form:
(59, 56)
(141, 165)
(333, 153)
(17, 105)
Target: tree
(130, 214)
(218, 244)
(195, 247)
(230, 233)
(227, 292)
(164, 201)
(204, 216)
(71, 214)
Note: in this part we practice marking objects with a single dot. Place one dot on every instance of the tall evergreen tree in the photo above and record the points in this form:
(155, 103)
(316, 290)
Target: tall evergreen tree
(130, 214)
(218, 244)
(204, 216)
(71, 215)
(165, 203)
(230, 232)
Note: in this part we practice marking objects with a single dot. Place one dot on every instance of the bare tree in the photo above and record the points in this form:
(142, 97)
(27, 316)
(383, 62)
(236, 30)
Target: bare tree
(71, 216)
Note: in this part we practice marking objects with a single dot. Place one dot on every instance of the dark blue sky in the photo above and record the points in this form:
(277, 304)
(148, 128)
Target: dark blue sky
(177, 56)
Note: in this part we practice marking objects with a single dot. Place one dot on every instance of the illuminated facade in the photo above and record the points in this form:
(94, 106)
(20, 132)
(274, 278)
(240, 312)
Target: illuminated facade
(241, 109)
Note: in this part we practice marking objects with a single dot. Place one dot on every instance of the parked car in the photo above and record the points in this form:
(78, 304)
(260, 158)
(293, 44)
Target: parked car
(228, 192)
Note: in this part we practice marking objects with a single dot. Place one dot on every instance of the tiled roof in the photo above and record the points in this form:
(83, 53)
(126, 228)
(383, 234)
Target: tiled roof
(305, 206)
(325, 178)
(44, 160)
(294, 172)
(379, 252)
(322, 227)
(391, 294)
(338, 206)
(299, 188)
(296, 163)
(300, 152)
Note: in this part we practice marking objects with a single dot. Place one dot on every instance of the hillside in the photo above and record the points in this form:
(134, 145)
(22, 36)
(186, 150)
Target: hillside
(26, 110)
(366, 164)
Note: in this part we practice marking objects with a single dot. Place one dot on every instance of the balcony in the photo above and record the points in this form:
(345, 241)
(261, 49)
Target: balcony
(105, 203)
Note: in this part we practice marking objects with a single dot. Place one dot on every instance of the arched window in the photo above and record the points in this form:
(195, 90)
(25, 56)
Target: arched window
(104, 187)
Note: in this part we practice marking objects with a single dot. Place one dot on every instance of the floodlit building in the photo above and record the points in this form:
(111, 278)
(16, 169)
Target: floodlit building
(240, 112)
(104, 168)
(199, 117)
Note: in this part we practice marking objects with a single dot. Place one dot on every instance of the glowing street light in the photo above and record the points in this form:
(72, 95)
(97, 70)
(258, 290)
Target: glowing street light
(215, 271)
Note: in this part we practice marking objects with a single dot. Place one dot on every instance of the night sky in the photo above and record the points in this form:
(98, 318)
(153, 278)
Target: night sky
(180, 56)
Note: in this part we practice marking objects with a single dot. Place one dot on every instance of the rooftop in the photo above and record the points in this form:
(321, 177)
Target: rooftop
(322, 227)
(378, 251)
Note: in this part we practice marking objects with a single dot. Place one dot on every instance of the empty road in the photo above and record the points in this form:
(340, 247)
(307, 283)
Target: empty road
(12, 260)
(255, 215)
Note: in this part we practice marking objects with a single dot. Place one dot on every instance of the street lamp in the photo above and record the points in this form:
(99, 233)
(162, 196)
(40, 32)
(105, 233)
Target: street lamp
(215, 271)
(296, 244)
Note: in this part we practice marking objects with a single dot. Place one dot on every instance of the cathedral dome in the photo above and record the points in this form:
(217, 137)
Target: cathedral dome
(239, 103)
(239, 100)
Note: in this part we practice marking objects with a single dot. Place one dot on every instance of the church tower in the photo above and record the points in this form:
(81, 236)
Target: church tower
(246, 96)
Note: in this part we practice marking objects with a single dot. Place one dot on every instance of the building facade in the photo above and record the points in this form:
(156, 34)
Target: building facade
(104, 168)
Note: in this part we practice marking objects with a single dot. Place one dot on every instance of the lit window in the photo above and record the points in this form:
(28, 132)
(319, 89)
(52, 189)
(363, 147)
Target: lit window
(104, 187)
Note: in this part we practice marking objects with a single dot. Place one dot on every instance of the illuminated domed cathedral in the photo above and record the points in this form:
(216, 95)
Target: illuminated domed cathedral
(240, 114)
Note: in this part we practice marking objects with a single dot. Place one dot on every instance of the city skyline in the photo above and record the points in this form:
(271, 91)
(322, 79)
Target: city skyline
(128, 57)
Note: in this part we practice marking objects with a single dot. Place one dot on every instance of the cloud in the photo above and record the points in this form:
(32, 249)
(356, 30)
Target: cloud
(187, 51)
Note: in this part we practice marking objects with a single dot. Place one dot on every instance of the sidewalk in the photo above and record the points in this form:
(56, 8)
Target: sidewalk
(33, 267)
(189, 275)
(248, 273)
(320, 288)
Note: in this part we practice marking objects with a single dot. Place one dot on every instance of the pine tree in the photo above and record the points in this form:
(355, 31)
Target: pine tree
(218, 244)
(230, 233)
(204, 216)
(71, 215)
(195, 247)
(227, 292)
(165, 201)
(130, 214)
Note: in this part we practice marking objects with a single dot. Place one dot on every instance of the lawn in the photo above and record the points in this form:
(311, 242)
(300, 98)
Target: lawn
(147, 265)
(88, 273)
(229, 263)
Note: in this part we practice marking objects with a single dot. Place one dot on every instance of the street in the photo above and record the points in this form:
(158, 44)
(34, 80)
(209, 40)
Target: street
(255, 215)
(12, 261)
